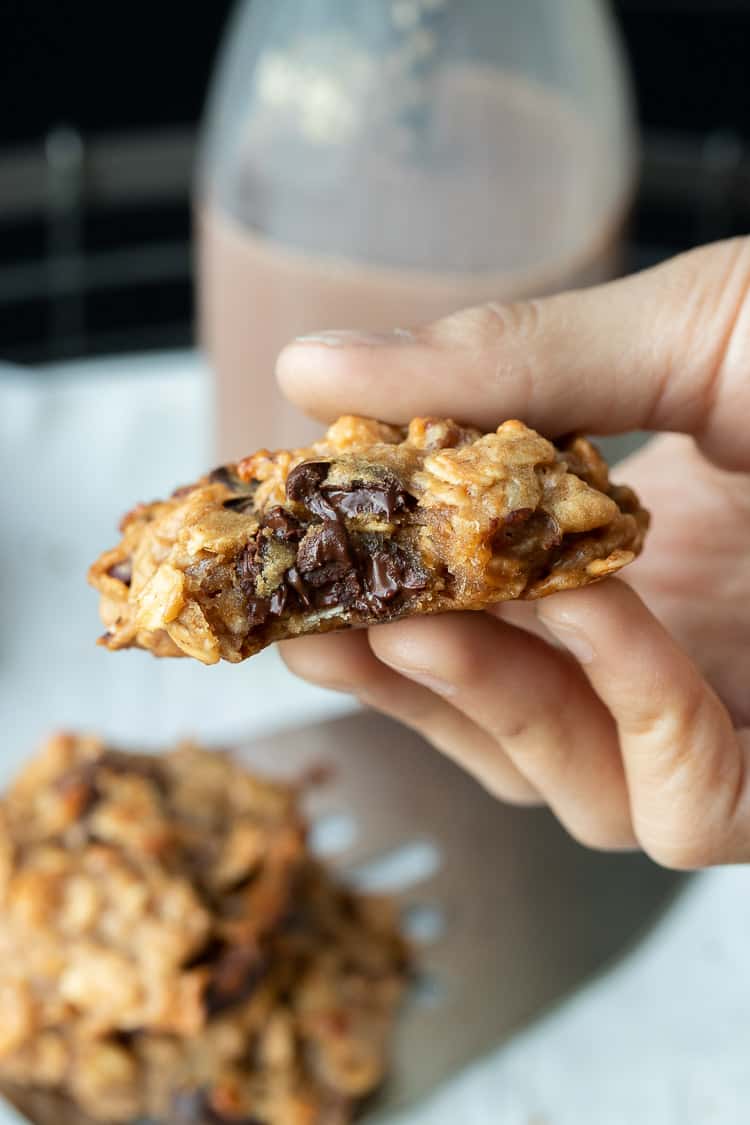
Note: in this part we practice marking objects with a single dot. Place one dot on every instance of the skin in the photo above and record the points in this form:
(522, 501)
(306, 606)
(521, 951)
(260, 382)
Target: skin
(625, 706)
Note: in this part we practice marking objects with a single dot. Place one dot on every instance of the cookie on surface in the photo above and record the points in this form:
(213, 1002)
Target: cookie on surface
(172, 951)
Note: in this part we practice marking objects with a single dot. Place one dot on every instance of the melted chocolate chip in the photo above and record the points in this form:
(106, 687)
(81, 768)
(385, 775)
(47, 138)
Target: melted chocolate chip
(324, 543)
(122, 571)
(389, 571)
(236, 975)
(382, 581)
(370, 499)
(283, 524)
(326, 566)
(383, 498)
(193, 1107)
(294, 578)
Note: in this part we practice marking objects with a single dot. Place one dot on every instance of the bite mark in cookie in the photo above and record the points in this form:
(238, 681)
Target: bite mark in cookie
(372, 523)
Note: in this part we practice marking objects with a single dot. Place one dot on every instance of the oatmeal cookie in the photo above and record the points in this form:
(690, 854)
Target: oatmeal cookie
(171, 950)
(372, 523)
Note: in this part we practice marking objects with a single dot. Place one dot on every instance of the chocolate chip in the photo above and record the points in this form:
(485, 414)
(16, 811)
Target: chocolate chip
(324, 543)
(381, 578)
(122, 571)
(246, 490)
(384, 498)
(283, 524)
(325, 564)
(258, 611)
(236, 975)
(224, 475)
(249, 567)
(303, 487)
(414, 578)
(304, 481)
(294, 578)
(239, 504)
(325, 574)
(278, 601)
(342, 589)
(370, 499)
(389, 571)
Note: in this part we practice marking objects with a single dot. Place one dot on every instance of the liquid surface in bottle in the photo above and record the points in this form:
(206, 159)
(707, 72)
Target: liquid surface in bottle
(532, 209)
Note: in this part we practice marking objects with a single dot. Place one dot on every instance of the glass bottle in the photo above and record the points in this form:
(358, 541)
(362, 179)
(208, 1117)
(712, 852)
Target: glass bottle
(377, 163)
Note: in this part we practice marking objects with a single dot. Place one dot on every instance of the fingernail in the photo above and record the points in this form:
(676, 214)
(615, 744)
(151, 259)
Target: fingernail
(352, 338)
(573, 639)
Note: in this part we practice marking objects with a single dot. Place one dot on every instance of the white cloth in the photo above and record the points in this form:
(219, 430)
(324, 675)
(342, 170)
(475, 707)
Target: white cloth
(662, 1039)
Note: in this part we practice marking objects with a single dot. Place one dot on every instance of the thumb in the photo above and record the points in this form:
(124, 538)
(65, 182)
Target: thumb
(667, 349)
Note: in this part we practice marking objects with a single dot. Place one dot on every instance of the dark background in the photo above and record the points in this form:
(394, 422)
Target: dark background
(139, 68)
(109, 66)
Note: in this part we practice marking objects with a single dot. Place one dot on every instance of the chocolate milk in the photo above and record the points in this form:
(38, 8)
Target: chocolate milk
(521, 201)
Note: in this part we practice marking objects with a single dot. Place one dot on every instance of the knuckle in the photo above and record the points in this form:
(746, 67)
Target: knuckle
(481, 327)
(318, 672)
(714, 298)
(726, 305)
(598, 836)
(671, 729)
(679, 852)
(430, 651)
(512, 727)
(513, 793)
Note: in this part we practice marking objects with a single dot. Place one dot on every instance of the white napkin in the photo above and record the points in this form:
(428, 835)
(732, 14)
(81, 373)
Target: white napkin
(76, 451)
(660, 1040)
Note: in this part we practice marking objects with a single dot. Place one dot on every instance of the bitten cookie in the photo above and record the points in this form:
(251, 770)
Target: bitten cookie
(372, 523)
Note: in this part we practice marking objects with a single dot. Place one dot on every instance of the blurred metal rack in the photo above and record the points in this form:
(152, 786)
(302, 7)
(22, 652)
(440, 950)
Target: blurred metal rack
(95, 234)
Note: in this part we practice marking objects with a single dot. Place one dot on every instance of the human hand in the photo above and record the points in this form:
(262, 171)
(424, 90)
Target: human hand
(625, 706)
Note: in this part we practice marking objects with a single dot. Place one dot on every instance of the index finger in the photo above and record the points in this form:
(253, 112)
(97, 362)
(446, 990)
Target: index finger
(666, 349)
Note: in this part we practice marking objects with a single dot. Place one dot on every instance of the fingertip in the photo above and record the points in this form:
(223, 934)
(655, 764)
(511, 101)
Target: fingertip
(339, 663)
(582, 620)
(308, 380)
(398, 642)
(435, 651)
